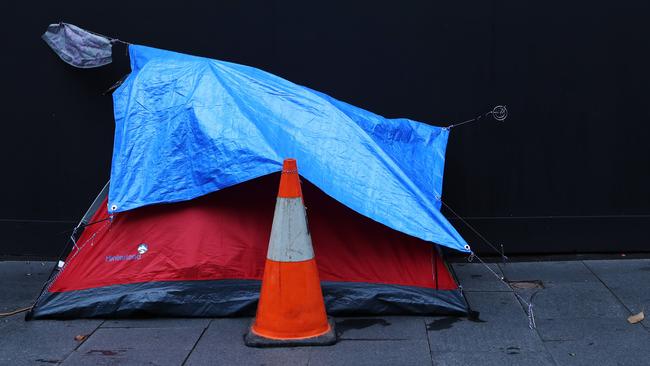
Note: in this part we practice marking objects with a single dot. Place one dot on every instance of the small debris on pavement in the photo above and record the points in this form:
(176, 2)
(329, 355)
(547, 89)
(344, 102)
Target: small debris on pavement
(633, 319)
(81, 337)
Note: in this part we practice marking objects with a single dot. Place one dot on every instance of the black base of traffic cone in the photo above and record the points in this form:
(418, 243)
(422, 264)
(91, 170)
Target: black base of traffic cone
(253, 340)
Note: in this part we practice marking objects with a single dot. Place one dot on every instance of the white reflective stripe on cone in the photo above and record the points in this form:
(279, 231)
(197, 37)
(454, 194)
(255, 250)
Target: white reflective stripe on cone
(290, 240)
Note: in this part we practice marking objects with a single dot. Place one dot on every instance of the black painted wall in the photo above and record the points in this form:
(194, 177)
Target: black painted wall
(567, 172)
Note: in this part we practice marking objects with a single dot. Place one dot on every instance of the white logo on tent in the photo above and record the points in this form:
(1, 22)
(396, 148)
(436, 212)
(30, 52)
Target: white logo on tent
(142, 248)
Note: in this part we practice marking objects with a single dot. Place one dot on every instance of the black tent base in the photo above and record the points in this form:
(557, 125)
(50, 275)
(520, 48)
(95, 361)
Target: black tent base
(231, 298)
(253, 340)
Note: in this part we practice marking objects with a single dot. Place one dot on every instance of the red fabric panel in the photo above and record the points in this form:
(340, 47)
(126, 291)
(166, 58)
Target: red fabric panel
(224, 235)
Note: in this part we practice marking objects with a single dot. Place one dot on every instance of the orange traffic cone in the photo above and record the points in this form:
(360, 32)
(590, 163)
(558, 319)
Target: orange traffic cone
(291, 311)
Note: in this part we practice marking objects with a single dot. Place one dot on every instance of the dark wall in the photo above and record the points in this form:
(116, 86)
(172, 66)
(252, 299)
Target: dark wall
(567, 172)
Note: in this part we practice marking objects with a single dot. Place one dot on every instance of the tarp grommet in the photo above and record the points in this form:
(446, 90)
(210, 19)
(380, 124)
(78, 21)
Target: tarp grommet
(113, 207)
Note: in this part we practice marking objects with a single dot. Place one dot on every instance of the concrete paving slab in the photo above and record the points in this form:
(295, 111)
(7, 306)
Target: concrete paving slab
(41, 341)
(360, 353)
(381, 328)
(502, 327)
(378, 347)
(497, 307)
(158, 323)
(548, 272)
(615, 267)
(21, 283)
(591, 329)
(110, 346)
(573, 300)
(216, 354)
(597, 341)
(17, 269)
(11, 320)
(475, 277)
(511, 358)
(223, 344)
(464, 335)
(601, 351)
(629, 280)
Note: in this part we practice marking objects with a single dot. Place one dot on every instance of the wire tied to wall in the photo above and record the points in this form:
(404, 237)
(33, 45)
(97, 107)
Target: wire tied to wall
(499, 113)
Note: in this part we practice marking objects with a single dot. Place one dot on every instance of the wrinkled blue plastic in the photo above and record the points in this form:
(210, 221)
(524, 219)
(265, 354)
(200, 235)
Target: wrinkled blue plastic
(187, 126)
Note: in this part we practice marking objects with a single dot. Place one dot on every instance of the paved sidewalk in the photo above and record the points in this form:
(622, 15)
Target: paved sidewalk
(580, 312)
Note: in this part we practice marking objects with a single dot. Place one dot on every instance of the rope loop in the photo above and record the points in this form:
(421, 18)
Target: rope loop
(499, 113)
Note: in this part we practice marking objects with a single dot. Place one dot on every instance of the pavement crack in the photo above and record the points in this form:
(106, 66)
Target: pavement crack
(426, 335)
(83, 341)
(607, 287)
(196, 343)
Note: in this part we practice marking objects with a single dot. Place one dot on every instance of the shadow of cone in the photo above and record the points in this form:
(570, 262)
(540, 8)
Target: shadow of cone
(291, 311)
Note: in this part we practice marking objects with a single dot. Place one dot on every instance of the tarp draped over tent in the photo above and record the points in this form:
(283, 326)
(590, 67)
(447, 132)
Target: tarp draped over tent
(205, 258)
(184, 228)
(187, 126)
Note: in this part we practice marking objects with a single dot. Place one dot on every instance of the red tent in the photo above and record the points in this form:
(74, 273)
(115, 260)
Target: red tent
(205, 257)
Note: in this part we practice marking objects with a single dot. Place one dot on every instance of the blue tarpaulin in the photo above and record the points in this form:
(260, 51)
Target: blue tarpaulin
(187, 126)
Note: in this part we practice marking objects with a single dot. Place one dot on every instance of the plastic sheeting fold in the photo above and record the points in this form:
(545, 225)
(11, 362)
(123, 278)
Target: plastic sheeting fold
(223, 298)
(78, 47)
(187, 126)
